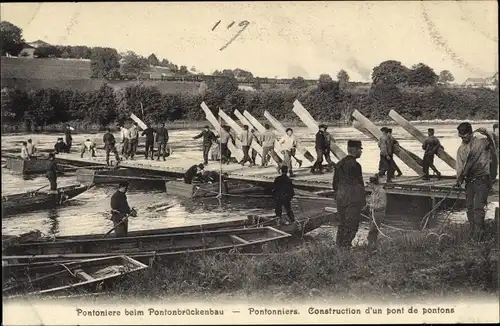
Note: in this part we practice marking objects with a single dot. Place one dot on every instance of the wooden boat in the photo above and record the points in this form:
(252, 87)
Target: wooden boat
(59, 279)
(106, 175)
(34, 200)
(198, 190)
(21, 166)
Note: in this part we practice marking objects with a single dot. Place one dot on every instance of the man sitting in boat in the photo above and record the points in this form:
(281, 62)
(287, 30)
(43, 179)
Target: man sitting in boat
(52, 171)
(88, 146)
(31, 149)
(120, 210)
(194, 173)
(24, 151)
(60, 146)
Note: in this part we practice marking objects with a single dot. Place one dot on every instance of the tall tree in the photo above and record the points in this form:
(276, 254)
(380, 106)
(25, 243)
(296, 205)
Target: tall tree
(298, 83)
(165, 63)
(390, 72)
(11, 38)
(104, 63)
(422, 75)
(183, 70)
(446, 77)
(326, 83)
(153, 60)
(134, 64)
(343, 78)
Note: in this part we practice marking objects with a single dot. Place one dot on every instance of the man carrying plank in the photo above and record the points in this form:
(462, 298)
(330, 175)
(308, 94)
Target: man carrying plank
(124, 139)
(430, 146)
(246, 141)
(120, 210)
(134, 139)
(150, 142)
(288, 143)
(208, 138)
(268, 140)
(110, 145)
(320, 146)
(328, 141)
(385, 145)
(394, 142)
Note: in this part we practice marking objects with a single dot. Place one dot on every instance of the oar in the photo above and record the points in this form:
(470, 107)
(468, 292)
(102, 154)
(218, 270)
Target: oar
(107, 233)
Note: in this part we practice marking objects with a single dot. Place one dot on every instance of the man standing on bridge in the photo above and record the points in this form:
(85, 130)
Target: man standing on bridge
(124, 139)
(473, 167)
(349, 189)
(328, 140)
(68, 137)
(288, 143)
(51, 173)
(283, 194)
(110, 145)
(268, 140)
(320, 145)
(430, 146)
(385, 164)
(394, 143)
(246, 141)
(150, 142)
(208, 138)
(134, 140)
(162, 141)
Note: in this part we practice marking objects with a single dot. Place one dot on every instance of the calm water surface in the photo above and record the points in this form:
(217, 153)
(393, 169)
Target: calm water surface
(88, 212)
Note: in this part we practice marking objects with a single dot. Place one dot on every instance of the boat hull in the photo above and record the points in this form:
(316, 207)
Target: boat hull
(106, 176)
(34, 166)
(17, 203)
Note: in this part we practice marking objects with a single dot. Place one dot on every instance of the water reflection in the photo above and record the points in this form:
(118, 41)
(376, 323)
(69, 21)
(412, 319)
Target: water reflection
(53, 221)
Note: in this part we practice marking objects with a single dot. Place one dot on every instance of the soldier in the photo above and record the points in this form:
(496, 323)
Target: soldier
(194, 173)
(256, 137)
(385, 146)
(124, 139)
(246, 141)
(208, 138)
(288, 143)
(328, 139)
(268, 140)
(31, 149)
(349, 189)
(394, 142)
(224, 138)
(110, 145)
(120, 210)
(51, 173)
(494, 154)
(473, 167)
(283, 194)
(430, 146)
(320, 145)
(68, 137)
(150, 142)
(134, 140)
(162, 141)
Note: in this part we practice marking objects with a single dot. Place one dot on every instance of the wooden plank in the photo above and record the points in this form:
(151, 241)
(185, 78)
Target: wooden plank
(83, 276)
(139, 121)
(215, 123)
(260, 128)
(406, 125)
(374, 130)
(309, 121)
(238, 239)
(239, 130)
(278, 126)
(243, 120)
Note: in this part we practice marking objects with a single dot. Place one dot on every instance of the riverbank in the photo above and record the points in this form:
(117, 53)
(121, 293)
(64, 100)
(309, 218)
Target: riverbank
(416, 264)
(83, 127)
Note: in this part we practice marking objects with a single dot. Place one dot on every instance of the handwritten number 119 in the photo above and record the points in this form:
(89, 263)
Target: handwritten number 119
(243, 24)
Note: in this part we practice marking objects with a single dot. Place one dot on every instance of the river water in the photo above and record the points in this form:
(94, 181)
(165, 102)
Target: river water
(88, 212)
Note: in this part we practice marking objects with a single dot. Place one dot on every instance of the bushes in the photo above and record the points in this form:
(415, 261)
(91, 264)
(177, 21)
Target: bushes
(107, 105)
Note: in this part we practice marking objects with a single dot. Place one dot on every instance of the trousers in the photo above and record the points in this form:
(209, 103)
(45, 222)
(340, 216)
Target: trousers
(269, 150)
(385, 165)
(378, 216)
(287, 160)
(246, 157)
(111, 148)
(428, 160)
(149, 149)
(122, 229)
(281, 201)
(349, 218)
(53, 183)
(162, 150)
(476, 199)
(132, 147)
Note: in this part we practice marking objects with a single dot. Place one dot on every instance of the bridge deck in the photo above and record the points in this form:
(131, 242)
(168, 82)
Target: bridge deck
(177, 165)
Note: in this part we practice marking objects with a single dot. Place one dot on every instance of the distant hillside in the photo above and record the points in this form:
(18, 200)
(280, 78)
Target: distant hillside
(72, 74)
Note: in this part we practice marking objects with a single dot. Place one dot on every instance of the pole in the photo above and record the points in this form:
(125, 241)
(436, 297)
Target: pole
(220, 161)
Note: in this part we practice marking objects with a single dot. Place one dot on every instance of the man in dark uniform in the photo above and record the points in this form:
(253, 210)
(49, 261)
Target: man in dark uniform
(109, 145)
(385, 144)
(393, 143)
(52, 171)
(68, 137)
(473, 167)
(150, 142)
(430, 146)
(120, 210)
(162, 140)
(328, 139)
(349, 189)
(194, 173)
(208, 138)
(494, 154)
(283, 193)
(320, 145)
(60, 146)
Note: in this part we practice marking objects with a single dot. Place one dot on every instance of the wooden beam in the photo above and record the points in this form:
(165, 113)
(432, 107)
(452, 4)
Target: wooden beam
(243, 120)
(309, 121)
(276, 124)
(239, 130)
(215, 123)
(448, 159)
(238, 239)
(257, 125)
(375, 131)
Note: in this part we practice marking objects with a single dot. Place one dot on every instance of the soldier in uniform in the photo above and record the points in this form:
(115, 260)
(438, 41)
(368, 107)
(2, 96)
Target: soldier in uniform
(430, 146)
(120, 210)
(320, 146)
(208, 138)
(283, 194)
(110, 145)
(349, 189)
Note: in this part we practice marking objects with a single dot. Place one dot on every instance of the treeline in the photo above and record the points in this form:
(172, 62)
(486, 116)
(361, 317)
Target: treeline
(327, 102)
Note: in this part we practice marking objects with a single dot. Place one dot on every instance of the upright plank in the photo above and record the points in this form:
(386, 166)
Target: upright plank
(309, 121)
(276, 124)
(239, 130)
(448, 159)
(402, 154)
(213, 120)
(260, 128)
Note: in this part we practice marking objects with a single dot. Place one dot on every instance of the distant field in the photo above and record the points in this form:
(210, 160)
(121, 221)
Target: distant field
(70, 74)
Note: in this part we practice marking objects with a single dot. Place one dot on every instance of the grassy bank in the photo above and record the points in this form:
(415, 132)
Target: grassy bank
(412, 265)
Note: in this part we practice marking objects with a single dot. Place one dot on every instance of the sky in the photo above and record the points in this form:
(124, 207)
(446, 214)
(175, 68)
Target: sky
(282, 39)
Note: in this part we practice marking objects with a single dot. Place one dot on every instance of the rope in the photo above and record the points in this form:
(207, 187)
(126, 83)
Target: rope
(372, 213)
(427, 216)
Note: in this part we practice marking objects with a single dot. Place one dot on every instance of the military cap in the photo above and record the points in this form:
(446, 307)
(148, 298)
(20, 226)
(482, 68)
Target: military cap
(123, 184)
(383, 129)
(354, 143)
(206, 127)
(464, 128)
(389, 129)
(430, 130)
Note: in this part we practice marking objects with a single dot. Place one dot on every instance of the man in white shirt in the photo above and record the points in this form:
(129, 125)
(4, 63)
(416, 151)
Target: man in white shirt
(124, 139)
(89, 146)
(24, 151)
(31, 149)
(246, 138)
(134, 139)
(288, 143)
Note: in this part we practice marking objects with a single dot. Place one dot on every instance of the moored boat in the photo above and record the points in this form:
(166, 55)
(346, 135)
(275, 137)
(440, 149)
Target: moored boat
(34, 200)
(22, 166)
(106, 175)
(60, 279)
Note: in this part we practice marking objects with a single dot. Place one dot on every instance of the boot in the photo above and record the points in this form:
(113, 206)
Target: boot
(299, 162)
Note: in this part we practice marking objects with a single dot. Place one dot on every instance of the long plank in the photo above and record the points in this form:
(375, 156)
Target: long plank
(406, 125)
(359, 126)
(213, 120)
(276, 124)
(402, 154)
(239, 130)
(309, 121)
(243, 120)
(139, 121)
(260, 128)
